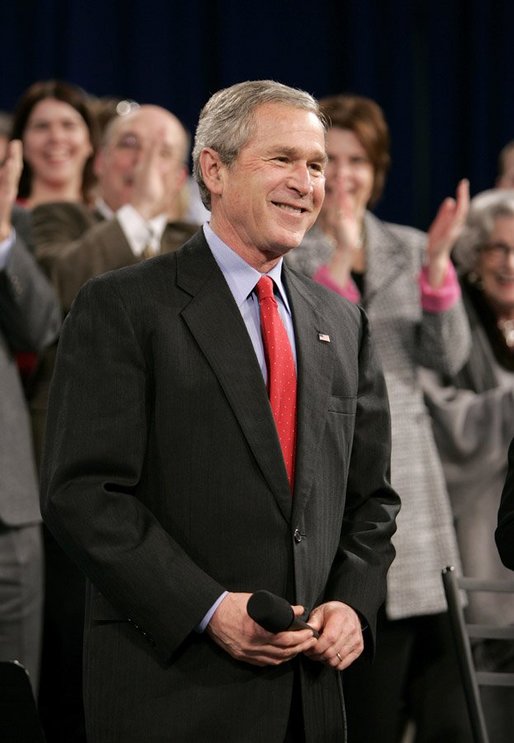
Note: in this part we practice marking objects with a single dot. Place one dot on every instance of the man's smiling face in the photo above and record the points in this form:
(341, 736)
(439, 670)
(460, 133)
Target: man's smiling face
(272, 193)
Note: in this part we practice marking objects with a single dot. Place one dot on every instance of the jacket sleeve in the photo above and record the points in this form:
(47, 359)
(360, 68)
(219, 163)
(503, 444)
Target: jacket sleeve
(29, 312)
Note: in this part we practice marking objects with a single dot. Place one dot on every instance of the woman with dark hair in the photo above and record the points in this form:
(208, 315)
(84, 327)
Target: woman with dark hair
(59, 136)
(405, 280)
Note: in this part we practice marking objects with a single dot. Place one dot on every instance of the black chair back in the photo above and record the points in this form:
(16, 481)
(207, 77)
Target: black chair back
(465, 632)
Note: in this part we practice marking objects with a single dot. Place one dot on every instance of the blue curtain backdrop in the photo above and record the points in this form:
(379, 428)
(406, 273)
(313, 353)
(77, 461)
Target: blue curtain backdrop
(442, 69)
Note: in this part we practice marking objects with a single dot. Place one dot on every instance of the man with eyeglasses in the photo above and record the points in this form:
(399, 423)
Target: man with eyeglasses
(141, 170)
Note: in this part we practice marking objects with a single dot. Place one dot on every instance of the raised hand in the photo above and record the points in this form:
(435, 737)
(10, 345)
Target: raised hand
(10, 172)
(444, 231)
(154, 179)
(342, 223)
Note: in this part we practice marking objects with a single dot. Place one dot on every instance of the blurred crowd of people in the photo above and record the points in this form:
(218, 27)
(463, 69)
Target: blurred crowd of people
(90, 185)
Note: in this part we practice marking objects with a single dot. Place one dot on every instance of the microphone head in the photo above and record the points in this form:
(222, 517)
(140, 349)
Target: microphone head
(272, 612)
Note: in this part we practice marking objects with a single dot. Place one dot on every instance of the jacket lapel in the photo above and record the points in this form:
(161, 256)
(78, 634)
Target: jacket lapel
(315, 369)
(217, 326)
(386, 259)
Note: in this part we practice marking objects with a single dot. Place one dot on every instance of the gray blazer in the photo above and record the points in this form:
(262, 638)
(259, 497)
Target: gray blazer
(29, 321)
(163, 477)
(407, 338)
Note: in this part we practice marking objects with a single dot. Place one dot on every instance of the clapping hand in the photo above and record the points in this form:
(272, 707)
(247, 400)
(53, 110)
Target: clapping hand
(10, 172)
(444, 231)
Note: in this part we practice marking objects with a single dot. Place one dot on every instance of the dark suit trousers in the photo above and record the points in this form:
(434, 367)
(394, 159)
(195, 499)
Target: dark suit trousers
(295, 729)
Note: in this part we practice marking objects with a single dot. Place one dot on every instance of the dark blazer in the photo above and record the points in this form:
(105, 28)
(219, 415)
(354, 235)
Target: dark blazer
(164, 479)
(505, 530)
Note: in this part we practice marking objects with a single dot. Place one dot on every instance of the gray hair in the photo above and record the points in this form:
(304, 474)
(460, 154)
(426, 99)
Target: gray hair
(484, 209)
(227, 120)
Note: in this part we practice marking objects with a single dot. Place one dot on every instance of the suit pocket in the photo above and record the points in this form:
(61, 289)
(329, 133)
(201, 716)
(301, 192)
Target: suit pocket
(342, 405)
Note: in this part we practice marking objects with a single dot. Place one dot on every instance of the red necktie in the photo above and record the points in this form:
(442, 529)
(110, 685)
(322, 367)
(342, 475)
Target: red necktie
(281, 372)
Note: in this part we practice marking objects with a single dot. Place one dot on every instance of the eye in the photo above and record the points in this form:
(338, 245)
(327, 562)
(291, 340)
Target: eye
(166, 153)
(359, 160)
(317, 168)
(38, 126)
(128, 142)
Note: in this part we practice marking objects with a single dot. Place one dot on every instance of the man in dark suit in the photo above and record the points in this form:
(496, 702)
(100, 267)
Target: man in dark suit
(164, 476)
(29, 320)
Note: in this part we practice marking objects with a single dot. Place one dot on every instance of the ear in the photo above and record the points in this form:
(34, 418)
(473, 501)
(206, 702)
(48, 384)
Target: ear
(212, 170)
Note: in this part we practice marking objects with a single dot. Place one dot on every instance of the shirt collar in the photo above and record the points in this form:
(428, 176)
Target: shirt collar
(103, 209)
(157, 224)
(239, 275)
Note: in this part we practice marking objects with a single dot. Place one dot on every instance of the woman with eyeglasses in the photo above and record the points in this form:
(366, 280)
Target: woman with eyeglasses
(473, 420)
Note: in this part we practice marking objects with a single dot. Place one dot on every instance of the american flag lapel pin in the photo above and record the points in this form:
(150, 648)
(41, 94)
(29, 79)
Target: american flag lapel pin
(324, 337)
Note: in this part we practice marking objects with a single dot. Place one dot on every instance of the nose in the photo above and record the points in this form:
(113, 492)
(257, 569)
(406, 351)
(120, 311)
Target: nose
(55, 131)
(300, 179)
(343, 169)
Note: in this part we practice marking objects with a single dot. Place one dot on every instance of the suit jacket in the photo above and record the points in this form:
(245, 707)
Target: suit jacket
(29, 320)
(164, 479)
(505, 530)
(73, 244)
(407, 338)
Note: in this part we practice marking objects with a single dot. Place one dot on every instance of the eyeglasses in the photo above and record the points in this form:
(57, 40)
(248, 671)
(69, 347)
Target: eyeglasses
(131, 143)
(498, 251)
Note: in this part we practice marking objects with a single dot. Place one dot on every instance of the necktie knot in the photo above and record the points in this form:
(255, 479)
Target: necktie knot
(264, 288)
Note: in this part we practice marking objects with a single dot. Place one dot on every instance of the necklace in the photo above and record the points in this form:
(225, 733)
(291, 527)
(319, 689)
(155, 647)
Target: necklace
(507, 329)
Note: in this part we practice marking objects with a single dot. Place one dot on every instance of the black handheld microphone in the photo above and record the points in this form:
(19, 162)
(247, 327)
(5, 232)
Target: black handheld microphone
(274, 613)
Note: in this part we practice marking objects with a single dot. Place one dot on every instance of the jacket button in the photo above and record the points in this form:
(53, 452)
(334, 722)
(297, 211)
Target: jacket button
(297, 536)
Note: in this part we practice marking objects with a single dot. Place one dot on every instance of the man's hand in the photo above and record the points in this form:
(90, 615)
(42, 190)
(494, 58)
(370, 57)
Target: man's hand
(340, 641)
(444, 232)
(157, 179)
(232, 629)
(10, 172)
